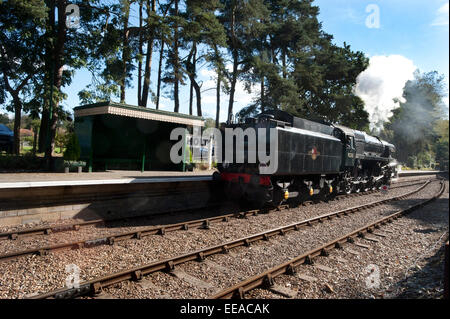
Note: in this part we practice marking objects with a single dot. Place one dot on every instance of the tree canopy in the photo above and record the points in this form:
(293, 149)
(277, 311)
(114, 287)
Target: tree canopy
(277, 48)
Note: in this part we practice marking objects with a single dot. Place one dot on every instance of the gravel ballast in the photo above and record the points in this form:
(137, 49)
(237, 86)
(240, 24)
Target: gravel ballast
(37, 274)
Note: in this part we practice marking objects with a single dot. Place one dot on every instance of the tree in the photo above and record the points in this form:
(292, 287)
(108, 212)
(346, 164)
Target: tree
(413, 125)
(204, 33)
(4, 119)
(174, 75)
(72, 152)
(111, 45)
(164, 34)
(21, 24)
(241, 20)
(218, 62)
(150, 32)
(297, 67)
(441, 147)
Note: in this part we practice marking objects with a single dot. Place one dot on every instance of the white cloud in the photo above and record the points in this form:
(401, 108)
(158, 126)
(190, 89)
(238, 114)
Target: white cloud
(442, 16)
(381, 83)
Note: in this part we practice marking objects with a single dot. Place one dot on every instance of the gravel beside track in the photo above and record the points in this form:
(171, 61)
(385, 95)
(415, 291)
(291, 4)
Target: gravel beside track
(161, 219)
(98, 231)
(245, 262)
(37, 274)
(409, 262)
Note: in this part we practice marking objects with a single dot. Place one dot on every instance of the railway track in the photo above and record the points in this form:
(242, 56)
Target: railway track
(137, 273)
(199, 223)
(51, 229)
(266, 278)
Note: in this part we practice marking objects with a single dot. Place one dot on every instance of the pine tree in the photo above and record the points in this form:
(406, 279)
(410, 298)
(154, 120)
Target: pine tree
(204, 34)
(21, 58)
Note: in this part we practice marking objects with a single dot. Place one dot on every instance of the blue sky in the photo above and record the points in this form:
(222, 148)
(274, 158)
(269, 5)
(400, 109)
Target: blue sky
(411, 34)
(414, 29)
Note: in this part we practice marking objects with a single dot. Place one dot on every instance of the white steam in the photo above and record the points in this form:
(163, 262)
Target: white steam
(381, 85)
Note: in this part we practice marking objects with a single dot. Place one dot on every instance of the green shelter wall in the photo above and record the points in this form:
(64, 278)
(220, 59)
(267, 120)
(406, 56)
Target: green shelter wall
(116, 142)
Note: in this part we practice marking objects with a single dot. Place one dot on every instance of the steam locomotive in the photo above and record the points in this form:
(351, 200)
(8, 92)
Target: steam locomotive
(314, 160)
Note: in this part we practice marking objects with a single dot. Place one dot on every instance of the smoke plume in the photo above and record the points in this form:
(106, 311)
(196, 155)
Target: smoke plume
(381, 85)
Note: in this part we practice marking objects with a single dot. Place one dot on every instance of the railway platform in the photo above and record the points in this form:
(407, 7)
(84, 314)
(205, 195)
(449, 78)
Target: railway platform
(37, 197)
(51, 179)
(40, 197)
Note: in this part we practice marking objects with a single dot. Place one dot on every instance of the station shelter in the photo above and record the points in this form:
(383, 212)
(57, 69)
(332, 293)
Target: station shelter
(120, 136)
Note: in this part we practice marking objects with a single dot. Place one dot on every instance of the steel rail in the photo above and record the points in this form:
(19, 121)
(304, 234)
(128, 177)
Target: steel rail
(95, 285)
(161, 230)
(46, 230)
(267, 278)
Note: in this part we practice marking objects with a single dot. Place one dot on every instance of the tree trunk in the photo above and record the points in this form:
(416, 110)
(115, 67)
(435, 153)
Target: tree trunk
(43, 127)
(232, 87)
(176, 65)
(125, 50)
(141, 53)
(17, 120)
(193, 63)
(49, 34)
(58, 58)
(218, 98)
(36, 129)
(148, 57)
(191, 98)
(235, 64)
(199, 99)
(158, 88)
(262, 94)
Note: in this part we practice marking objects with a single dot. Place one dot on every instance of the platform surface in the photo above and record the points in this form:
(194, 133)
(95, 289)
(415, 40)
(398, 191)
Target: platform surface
(19, 180)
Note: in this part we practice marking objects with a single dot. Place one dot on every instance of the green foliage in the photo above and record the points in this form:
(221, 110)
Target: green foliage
(442, 144)
(415, 128)
(209, 122)
(62, 139)
(21, 52)
(276, 47)
(296, 66)
(72, 152)
(4, 119)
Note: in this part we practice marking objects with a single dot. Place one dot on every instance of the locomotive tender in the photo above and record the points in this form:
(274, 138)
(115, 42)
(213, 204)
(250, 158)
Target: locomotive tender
(314, 160)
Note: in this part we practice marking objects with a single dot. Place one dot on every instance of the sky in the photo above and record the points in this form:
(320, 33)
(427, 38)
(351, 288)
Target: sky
(408, 35)
(398, 36)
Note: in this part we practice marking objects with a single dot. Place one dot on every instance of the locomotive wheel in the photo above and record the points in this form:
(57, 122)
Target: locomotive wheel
(278, 197)
(321, 197)
(366, 187)
(348, 189)
(303, 196)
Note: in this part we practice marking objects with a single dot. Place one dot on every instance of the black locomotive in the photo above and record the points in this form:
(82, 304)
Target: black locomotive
(314, 159)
